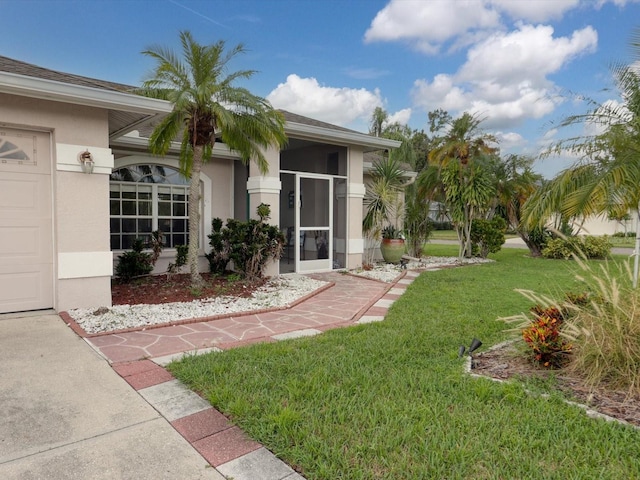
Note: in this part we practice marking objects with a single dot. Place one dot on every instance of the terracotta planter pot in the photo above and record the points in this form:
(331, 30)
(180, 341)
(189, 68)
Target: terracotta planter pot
(392, 249)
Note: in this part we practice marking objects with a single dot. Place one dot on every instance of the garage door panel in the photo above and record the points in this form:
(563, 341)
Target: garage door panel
(20, 244)
(26, 226)
(25, 287)
(22, 195)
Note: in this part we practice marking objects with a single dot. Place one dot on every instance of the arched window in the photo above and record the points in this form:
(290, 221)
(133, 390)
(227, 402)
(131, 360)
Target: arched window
(145, 198)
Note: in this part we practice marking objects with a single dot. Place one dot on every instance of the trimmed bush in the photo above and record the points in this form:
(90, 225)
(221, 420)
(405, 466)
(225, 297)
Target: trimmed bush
(585, 247)
(134, 263)
(249, 245)
(487, 236)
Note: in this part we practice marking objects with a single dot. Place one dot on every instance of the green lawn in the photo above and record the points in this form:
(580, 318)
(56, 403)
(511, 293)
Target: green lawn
(452, 235)
(390, 400)
(625, 242)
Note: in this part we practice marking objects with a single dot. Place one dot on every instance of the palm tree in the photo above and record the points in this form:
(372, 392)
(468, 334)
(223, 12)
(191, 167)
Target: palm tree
(458, 167)
(378, 119)
(607, 177)
(515, 183)
(208, 107)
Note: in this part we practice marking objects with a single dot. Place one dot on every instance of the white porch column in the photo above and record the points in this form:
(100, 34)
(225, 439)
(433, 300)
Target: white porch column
(355, 196)
(266, 189)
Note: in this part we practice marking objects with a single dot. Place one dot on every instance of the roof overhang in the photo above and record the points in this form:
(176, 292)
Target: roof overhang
(126, 111)
(321, 134)
(133, 142)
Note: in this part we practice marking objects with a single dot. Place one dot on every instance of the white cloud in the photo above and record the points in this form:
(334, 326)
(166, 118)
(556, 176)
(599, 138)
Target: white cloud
(427, 25)
(340, 106)
(535, 11)
(510, 140)
(505, 76)
(529, 53)
(401, 116)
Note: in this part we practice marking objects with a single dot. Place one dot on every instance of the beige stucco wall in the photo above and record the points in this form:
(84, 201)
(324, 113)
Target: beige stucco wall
(601, 225)
(80, 201)
(266, 189)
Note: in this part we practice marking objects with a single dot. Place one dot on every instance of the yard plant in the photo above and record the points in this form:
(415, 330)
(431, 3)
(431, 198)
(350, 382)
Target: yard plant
(390, 400)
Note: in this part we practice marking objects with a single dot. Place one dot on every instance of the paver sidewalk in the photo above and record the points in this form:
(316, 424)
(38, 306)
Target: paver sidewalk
(337, 306)
(139, 357)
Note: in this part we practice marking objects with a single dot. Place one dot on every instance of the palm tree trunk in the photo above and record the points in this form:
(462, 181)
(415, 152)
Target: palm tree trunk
(194, 218)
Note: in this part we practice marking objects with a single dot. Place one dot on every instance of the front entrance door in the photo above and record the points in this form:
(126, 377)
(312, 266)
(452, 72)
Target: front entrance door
(314, 220)
(26, 233)
(306, 219)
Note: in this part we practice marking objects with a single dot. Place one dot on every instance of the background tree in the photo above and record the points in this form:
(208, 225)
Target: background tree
(515, 182)
(378, 120)
(207, 107)
(459, 171)
(606, 179)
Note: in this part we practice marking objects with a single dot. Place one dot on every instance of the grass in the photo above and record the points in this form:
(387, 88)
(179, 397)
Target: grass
(623, 242)
(443, 235)
(390, 400)
(452, 235)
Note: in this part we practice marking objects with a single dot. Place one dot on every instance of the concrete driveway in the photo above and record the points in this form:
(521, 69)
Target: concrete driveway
(65, 414)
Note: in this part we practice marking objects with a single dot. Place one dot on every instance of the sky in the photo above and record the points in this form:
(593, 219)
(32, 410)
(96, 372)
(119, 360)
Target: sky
(519, 65)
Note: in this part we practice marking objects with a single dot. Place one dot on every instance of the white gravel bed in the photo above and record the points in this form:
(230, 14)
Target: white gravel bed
(387, 272)
(278, 292)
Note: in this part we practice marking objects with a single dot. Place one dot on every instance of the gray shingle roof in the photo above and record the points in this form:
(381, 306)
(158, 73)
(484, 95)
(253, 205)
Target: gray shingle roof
(17, 67)
(295, 118)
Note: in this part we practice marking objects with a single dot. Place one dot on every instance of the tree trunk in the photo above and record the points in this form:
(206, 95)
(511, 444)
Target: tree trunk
(534, 250)
(194, 218)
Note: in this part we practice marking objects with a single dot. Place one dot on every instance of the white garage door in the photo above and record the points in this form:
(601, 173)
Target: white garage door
(26, 234)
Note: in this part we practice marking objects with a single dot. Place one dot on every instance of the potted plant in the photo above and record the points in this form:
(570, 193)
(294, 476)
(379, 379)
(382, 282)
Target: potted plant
(392, 246)
(383, 203)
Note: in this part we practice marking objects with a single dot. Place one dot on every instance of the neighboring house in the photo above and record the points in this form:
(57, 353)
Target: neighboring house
(62, 227)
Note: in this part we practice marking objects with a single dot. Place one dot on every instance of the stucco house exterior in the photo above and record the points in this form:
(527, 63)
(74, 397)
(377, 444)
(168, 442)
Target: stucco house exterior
(63, 222)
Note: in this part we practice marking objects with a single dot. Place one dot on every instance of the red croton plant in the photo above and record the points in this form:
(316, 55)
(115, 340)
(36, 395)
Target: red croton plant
(543, 336)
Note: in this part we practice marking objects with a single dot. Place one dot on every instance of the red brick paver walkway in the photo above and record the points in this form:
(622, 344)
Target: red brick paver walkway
(139, 358)
(349, 299)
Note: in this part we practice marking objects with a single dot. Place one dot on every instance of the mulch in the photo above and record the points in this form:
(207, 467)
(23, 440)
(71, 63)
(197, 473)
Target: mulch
(505, 363)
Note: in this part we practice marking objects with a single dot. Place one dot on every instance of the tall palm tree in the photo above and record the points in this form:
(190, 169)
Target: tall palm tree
(378, 119)
(458, 167)
(607, 177)
(515, 183)
(207, 107)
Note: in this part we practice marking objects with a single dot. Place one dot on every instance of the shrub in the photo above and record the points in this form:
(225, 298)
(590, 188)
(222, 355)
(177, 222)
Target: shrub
(181, 259)
(442, 226)
(585, 247)
(543, 336)
(134, 263)
(219, 255)
(539, 236)
(487, 236)
(249, 245)
(605, 328)
(600, 328)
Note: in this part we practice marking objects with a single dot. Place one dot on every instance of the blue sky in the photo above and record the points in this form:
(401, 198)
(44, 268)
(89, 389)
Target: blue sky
(515, 63)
